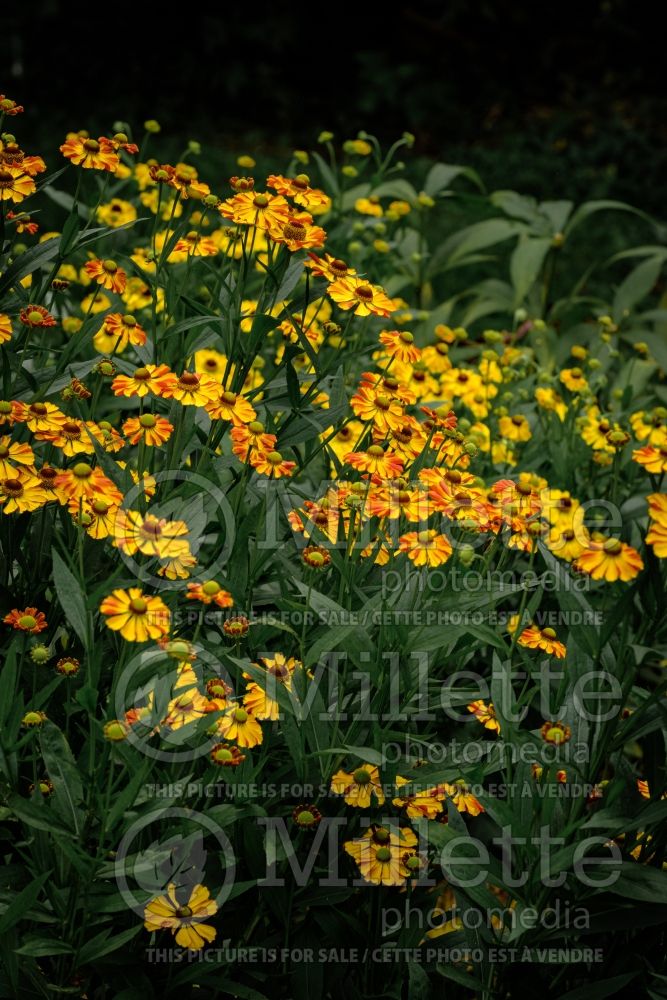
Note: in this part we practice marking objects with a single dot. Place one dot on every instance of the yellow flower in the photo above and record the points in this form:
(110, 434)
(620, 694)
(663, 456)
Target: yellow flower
(116, 213)
(382, 854)
(184, 920)
(241, 725)
(609, 559)
(358, 786)
(137, 616)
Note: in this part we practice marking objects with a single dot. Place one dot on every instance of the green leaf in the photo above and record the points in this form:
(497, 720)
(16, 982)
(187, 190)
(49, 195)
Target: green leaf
(28, 262)
(26, 898)
(484, 234)
(636, 286)
(102, 945)
(39, 947)
(71, 598)
(63, 772)
(640, 882)
(526, 263)
(599, 990)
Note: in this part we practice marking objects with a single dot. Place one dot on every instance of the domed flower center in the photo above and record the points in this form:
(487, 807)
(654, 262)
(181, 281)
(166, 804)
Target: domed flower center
(142, 374)
(375, 451)
(35, 316)
(612, 546)
(110, 266)
(383, 854)
(27, 621)
(100, 507)
(91, 145)
(260, 201)
(147, 420)
(211, 588)
(338, 266)
(294, 231)
(188, 380)
(82, 470)
(228, 397)
(274, 458)
(424, 537)
(361, 776)
(548, 633)
(256, 427)
(406, 337)
(71, 430)
(364, 292)
(138, 606)
(240, 715)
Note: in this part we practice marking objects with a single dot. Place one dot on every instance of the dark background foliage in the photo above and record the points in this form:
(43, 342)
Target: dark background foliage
(560, 100)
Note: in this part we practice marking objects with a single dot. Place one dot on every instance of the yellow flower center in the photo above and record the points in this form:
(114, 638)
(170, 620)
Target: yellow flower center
(383, 854)
(223, 754)
(228, 397)
(211, 588)
(406, 337)
(34, 316)
(142, 374)
(91, 145)
(612, 546)
(138, 606)
(361, 776)
(424, 537)
(274, 458)
(188, 380)
(548, 633)
(110, 266)
(375, 451)
(256, 427)
(82, 470)
(27, 621)
(305, 817)
(147, 420)
(240, 715)
(260, 201)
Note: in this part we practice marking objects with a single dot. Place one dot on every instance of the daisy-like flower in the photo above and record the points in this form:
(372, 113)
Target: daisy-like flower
(71, 438)
(34, 316)
(272, 464)
(82, 481)
(462, 798)
(652, 457)
(240, 724)
(555, 732)
(544, 639)
(299, 190)
(189, 388)
(9, 107)
(573, 379)
(137, 616)
(425, 548)
(22, 492)
(485, 714)
(425, 804)
(108, 274)
(185, 919)
(5, 328)
(188, 704)
(29, 620)
(331, 268)
(210, 593)
(230, 406)
(15, 183)
(316, 557)
(226, 755)
(251, 437)
(372, 404)
(195, 245)
(359, 787)
(116, 213)
(213, 363)
(386, 464)
(365, 299)
(609, 559)
(153, 536)
(236, 627)
(514, 428)
(250, 208)
(13, 453)
(400, 344)
(380, 854)
(657, 534)
(650, 426)
(299, 232)
(146, 379)
(153, 430)
(306, 816)
(262, 700)
(550, 400)
(91, 154)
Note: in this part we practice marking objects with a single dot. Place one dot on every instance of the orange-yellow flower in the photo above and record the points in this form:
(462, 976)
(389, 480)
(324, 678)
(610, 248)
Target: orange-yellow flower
(30, 620)
(183, 919)
(609, 559)
(250, 208)
(22, 491)
(137, 616)
(299, 190)
(146, 379)
(13, 453)
(153, 536)
(299, 232)
(400, 344)
(251, 437)
(210, 593)
(231, 406)
(370, 404)
(365, 299)
(359, 786)
(328, 267)
(574, 379)
(15, 183)
(271, 464)
(5, 328)
(544, 639)
(425, 548)
(514, 428)
(386, 464)
(152, 430)
(196, 245)
(92, 154)
(653, 459)
(189, 388)
(240, 724)
(82, 481)
(462, 798)
(485, 714)
(108, 274)
(34, 316)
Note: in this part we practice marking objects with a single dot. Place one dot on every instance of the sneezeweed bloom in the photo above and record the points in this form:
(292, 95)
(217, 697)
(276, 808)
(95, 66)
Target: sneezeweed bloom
(425, 548)
(195, 245)
(544, 639)
(13, 453)
(15, 184)
(556, 733)
(152, 430)
(36, 316)
(365, 299)
(137, 616)
(258, 209)
(514, 428)
(210, 592)
(40, 653)
(227, 405)
(9, 107)
(5, 328)
(189, 388)
(30, 620)
(108, 274)
(44, 785)
(381, 854)
(359, 787)
(400, 344)
(653, 458)
(272, 464)
(463, 799)
(236, 627)
(147, 378)
(609, 559)
(262, 700)
(226, 755)
(331, 268)
(150, 535)
(116, 213)
(573, 379)
(183, 919)
(485, 714)
(306, 816)
(239, 724)
(32, 719)
(316, 557)
(68, 666)
(91, 154)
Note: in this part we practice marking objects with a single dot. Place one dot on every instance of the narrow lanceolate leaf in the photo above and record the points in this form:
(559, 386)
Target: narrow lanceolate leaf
(65, 775)
(71, 598)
